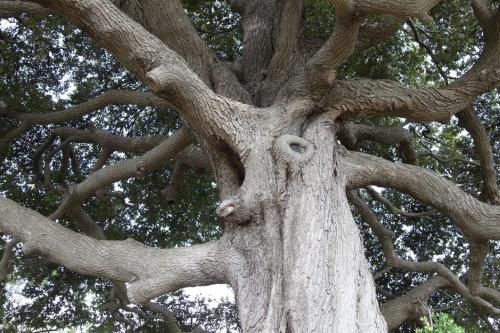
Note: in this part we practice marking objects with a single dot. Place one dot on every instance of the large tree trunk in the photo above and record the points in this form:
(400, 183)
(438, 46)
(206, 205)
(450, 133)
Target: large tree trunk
(300, 265)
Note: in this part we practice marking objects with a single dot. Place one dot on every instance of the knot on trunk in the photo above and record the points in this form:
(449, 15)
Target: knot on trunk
(293, 151)
(159, 78)
(233, 210)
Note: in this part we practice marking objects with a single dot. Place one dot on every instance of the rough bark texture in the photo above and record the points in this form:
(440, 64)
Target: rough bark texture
(291, 250)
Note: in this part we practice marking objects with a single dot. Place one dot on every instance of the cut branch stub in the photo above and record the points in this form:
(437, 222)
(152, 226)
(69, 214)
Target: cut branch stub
(293, 151)
(159, 78)
(233, 210)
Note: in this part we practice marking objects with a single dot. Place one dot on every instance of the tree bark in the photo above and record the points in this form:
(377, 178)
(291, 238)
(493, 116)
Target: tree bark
(300, 266)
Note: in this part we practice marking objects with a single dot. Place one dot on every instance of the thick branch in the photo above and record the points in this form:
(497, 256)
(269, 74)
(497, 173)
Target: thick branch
(151, 272)
(476, 219)
(138, 166)
(411, 306)
(337, 48)
(287, 36)
(361, 98)
(257, 22)
(477, 256)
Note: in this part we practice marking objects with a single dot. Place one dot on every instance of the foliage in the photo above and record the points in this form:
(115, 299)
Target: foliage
(441, 323)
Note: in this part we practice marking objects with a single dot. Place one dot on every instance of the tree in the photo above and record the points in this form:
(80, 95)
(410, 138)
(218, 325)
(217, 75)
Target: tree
(263, 108)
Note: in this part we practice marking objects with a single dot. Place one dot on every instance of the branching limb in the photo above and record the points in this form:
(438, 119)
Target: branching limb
(478, 220)
(139, 166)
(411, 306)
(162, 69)
(366, 98)
(351, 134)
(385, 237)
(349, 16)
(151, 272)
(167, 20)
(110, 97)
(109, 141)
(17, 8)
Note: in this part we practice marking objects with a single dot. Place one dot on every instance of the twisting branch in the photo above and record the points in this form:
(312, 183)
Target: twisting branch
(476, 219)
(151, 272)
(411, 306)
(385, 237)
(361, 98)
(110, 97)
(109, 141)
(471, 122)
(321, 68)
(393, 209)
(139, 166)
(351, 134)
